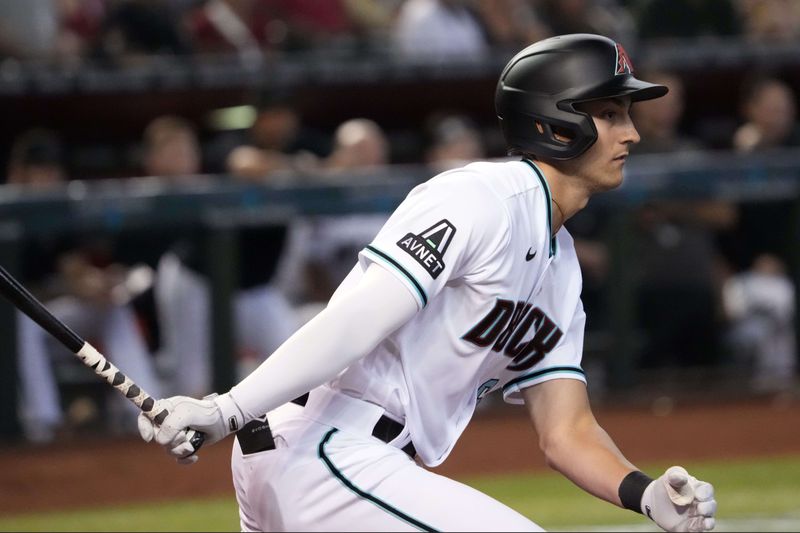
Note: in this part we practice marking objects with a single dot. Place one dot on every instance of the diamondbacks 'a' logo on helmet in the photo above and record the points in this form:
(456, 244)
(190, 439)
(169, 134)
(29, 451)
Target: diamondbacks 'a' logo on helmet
(624, 63)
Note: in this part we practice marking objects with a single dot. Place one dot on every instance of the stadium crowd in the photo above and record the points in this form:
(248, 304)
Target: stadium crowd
(714, 289)
(133, 31)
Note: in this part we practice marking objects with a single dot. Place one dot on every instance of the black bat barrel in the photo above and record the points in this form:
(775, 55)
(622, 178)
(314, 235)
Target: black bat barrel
(12, 290)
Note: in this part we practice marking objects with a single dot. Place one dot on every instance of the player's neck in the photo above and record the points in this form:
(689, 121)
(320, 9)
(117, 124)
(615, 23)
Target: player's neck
(569, 195)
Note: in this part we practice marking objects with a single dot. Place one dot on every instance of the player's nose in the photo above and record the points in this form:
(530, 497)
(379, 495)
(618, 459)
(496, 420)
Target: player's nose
(630, 134)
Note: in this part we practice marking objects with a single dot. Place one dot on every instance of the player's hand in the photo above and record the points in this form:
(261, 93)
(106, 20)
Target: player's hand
(677, 501)
(185, 414)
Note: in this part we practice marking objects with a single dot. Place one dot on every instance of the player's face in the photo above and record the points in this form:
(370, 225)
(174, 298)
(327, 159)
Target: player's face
(601, 165)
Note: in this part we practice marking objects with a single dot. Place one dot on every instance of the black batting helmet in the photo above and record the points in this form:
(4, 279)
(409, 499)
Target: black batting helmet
(540, 85)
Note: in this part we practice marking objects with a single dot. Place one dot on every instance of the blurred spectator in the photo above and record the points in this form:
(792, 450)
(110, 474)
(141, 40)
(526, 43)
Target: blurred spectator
(169, 153)
(81, 285)
(358, 144)
(437, 30)
(81, 22)
(373, 20)
(29, 30)
(771, 20)
(678, 260)
(512, 23)
(36, 161)
(136, 30)
(760, 305)
(313, 24)
(51, 30)
(658, 120)
(262, 317)
(276, 140)
(680, 278)
(769, 109)
(758, 296)
(669, 19)
(246, 27)
(454, 141)
(172, 149)
(323, 249)
(588, 229)
(253, 27)
(589, 16)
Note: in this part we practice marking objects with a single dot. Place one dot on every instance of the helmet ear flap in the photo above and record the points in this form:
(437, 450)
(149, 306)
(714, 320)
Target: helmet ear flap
(548, 137)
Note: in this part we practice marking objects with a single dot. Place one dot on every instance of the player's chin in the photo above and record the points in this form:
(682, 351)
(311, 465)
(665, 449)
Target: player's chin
(610, 181)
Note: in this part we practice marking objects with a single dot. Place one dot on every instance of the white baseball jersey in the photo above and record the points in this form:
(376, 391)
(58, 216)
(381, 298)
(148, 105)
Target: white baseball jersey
(499, 298)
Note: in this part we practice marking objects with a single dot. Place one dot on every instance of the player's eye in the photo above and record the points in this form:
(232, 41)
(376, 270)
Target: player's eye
(609, 114)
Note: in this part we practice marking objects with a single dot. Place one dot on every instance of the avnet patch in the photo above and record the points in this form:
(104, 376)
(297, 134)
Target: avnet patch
(429, 246)
(425, 254)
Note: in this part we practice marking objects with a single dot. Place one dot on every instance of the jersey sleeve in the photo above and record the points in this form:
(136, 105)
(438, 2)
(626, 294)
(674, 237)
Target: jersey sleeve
(446, 228)
(563, 362)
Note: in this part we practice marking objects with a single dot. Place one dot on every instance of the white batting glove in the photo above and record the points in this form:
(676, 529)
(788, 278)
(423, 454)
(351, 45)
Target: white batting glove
(677, 501)
(215, 416)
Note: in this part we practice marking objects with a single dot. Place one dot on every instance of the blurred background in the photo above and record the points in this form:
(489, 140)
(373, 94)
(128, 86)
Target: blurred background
(185, 182)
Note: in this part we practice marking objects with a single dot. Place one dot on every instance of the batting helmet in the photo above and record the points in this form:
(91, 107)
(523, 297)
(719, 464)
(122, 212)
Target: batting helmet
(539, 87)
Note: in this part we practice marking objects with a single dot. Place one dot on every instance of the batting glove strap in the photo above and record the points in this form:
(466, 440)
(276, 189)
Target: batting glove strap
(231, 414)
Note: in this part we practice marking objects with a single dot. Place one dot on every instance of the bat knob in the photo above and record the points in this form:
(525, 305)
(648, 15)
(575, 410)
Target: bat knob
(196, 440)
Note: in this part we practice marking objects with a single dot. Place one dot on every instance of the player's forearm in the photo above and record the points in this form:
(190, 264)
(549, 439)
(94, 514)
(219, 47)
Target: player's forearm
(352, 325)
(312, 356)
(589, 458)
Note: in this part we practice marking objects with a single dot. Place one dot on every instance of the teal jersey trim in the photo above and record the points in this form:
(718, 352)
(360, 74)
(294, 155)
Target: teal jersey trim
(549, 202)
(403, 271)
(367, 496)
(540, 373)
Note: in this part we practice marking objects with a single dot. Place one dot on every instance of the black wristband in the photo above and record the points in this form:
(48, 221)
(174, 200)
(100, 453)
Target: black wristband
(631, 490)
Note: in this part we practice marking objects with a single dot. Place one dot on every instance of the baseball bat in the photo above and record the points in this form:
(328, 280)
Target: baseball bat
(23, 300)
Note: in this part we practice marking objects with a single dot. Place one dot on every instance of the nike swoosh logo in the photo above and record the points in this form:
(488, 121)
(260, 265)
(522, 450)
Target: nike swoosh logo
(529, 255)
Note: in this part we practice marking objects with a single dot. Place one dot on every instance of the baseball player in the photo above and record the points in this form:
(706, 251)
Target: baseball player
(472, 286)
